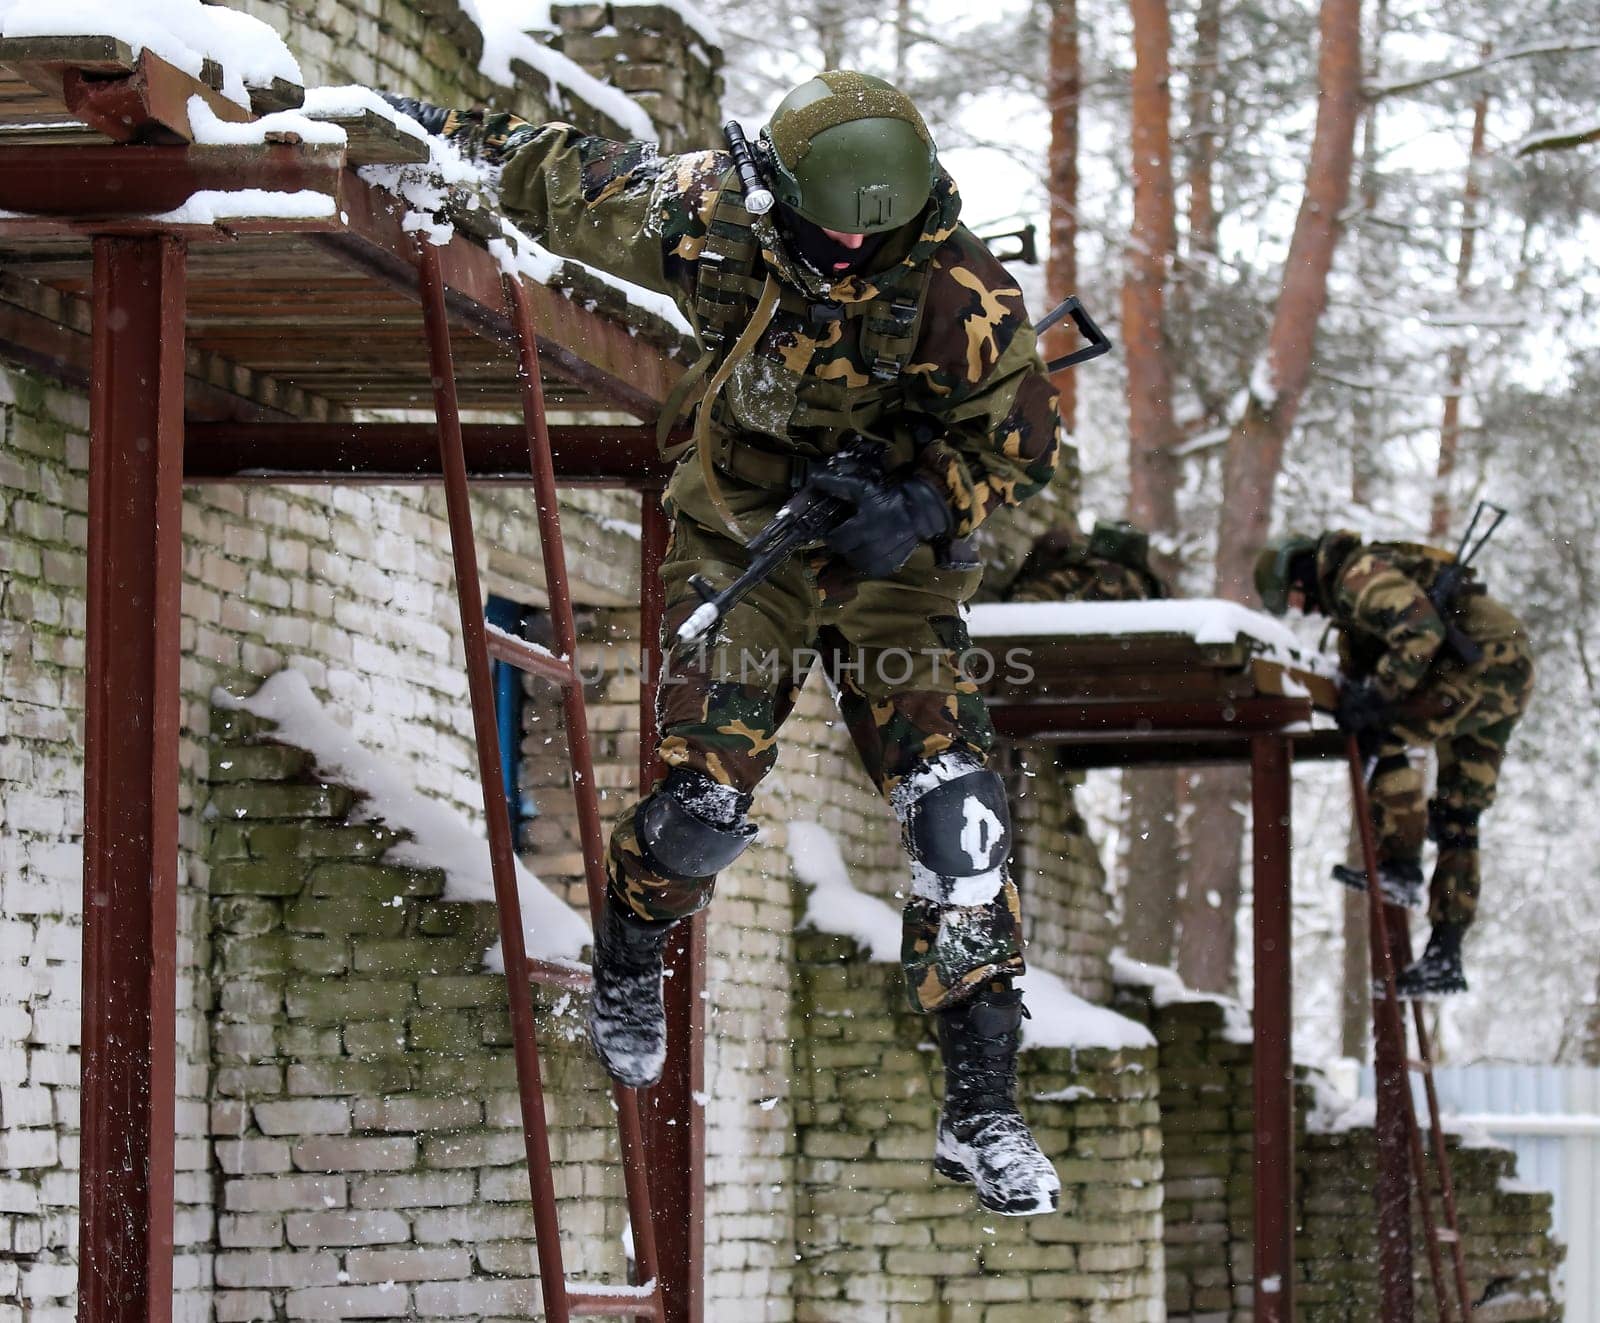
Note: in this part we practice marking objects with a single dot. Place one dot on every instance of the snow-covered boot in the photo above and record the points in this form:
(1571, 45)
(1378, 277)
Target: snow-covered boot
(627, 1021)
(982, 1137)
(1400, 880)
(1438, 972)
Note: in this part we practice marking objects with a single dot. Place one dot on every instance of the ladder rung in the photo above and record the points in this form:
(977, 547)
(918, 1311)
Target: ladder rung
(559, 974)
(1421, 1067)
(530, 657)
(619, 1302)
(1445, 1236)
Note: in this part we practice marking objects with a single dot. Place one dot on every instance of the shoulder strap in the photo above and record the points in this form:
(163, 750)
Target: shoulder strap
(728, 286)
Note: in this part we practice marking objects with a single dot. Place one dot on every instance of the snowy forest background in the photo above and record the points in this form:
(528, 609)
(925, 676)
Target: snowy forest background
(1417, 187)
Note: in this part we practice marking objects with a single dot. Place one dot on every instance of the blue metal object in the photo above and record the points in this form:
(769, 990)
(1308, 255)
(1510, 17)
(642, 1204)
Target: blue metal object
(509, 697)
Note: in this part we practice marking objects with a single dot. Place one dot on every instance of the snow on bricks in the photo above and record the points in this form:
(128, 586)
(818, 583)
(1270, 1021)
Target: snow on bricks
(370, 1151)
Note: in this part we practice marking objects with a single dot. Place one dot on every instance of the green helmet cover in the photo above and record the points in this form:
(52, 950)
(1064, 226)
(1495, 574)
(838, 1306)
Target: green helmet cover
(1272, 568)
(850, 153)
(1120, 542)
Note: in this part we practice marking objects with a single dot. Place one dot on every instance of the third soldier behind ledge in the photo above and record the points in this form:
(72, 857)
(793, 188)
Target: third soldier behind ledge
(858, 305)
(1407, 685)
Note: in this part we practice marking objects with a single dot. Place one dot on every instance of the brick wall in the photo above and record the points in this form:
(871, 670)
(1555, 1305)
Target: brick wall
(882, 1240)
(368, 1140)
(1206, 1114)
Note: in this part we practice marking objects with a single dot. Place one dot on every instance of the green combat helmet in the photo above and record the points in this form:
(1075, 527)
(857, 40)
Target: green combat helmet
(1128, 545)
(850, 153)
(1272, 568)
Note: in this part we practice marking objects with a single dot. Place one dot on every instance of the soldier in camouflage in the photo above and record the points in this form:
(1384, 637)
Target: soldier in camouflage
(1406, 686)
(860, 306)
(1111, 564)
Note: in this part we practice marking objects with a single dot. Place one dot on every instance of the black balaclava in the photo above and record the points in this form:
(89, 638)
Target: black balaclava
(829, 259)
(1303, 575)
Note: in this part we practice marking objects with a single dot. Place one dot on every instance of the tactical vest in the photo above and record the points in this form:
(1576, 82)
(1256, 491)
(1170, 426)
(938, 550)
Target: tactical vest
(767, 405)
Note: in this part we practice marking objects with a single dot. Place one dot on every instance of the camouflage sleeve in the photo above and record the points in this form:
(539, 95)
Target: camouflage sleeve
(618, 206)
(1379, 600)
(978, 372)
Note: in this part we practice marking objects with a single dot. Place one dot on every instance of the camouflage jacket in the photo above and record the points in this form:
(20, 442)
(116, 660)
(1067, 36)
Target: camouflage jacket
(974, 372)
(1376, 595)
(1061, 568)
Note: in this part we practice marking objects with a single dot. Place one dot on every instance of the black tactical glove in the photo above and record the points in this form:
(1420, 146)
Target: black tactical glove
(891, 520)
(1362, 712)
(479, 134)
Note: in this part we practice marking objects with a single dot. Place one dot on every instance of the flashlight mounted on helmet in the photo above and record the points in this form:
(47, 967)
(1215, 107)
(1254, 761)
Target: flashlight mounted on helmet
(758, 199)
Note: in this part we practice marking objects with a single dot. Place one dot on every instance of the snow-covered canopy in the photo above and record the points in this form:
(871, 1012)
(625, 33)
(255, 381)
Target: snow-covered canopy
(184, 33)
(1060, 1018)
(439, 836)
(1208, 621)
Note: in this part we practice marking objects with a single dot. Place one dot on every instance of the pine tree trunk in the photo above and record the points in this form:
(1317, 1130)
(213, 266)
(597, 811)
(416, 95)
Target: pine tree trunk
(1255, 455)
(1152, 864)
(1456, 366)
(1149, 905)
(1204, 138)
(1064, 89)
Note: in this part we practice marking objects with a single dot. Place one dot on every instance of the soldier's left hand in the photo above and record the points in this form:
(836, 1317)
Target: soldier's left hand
(1361, 707)
(891, 520)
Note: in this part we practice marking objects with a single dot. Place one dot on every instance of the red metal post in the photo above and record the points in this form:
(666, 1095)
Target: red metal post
(130, 846)
(496, 813)
(676, 1121)
(1270, 757)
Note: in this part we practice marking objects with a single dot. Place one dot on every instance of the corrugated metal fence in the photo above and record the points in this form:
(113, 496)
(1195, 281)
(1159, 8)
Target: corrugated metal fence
(1550, 1115)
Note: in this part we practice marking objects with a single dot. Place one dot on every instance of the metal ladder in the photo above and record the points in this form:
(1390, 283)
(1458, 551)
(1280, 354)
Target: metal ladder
(563, 1300)
(1389, 933)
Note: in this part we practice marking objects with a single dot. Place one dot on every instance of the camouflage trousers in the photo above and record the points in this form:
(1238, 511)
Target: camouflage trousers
(1467, 714)
(889, 649)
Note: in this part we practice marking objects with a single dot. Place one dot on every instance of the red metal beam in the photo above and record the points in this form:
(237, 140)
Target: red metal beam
(1274, 1026)
(592, 351)
(1140, 718)
(65, 354)
(677, 1123)
(606, 456)
(88, 182)
(130, 854)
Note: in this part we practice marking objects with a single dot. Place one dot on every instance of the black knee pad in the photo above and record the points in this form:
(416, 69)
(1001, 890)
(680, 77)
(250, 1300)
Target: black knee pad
(960, 827)
(691, 827)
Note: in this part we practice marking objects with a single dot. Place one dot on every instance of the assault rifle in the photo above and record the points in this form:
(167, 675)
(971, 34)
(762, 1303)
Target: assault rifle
(1453, 577)
(807, 517)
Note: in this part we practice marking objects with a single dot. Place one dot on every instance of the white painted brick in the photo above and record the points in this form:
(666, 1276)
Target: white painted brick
(28, 1148)
(304, 1116)
(244, 1307)
(408, 1265)
(355, 1154)
(276, 1268)
(434, 1190)
(250, 1231)
(48, 1281)
(282, 1194)
(252, 1157)
(381, 1301)
(463, 1299)
(357, 1228)
(18, 1196)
